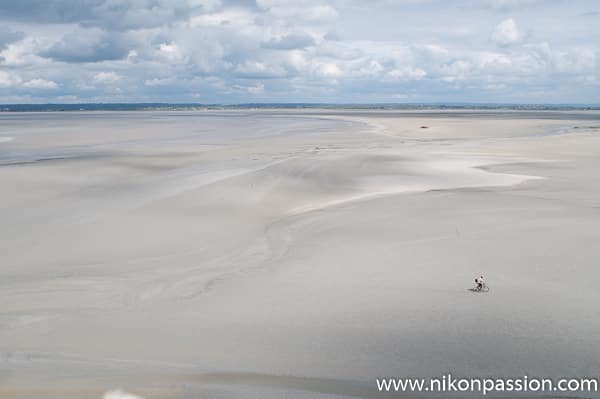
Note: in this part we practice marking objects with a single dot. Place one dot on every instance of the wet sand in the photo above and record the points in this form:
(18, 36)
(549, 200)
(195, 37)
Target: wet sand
(297, 254)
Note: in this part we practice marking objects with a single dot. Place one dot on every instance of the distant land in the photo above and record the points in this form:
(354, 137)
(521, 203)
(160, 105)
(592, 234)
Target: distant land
(196, 106)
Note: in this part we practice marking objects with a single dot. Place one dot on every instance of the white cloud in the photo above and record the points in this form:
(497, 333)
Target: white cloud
(578, 60)
(255, 69)
(407, 73)
(289, 41)
(506, 33)
(299, 10)
(158, 82)
(259, 88)
(8, 79)
(433, 51)
(107, 77)
(372, 68)
(40, 84)
(169, 48)
(120, 394)
(205, 4)
(458, 70)
(511, 4)
(494, 62)
(314, 13)
(224, 19)
(22, 53)
(171, 52)
(330, 70)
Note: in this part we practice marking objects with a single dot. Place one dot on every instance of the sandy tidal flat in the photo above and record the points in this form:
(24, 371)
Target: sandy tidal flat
(297, 254)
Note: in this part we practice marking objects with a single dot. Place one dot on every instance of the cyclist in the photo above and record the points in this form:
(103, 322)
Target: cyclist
(480, 282)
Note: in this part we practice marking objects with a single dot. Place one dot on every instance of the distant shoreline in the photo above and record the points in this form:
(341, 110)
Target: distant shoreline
(249, 106)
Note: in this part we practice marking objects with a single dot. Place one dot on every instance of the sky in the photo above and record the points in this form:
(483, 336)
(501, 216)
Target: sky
(317, 51)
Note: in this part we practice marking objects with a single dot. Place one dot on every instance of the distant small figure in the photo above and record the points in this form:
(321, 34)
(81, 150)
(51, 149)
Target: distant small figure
(479, 281)
(480, 285)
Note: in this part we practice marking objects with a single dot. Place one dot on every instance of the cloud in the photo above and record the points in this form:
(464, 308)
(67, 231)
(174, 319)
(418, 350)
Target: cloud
(289, 42)
(40, 84)
(330, 70)
(117, 15)
(314, 13)
(332, 36)
(120, 394)
(158, 82)
(106, 77)
(259, 88)
(260, 70)
(506, 33)
(171, 52)
(227, 18)
(506, 5)
(8, 36)
(339, 51)
(233, 51)
(20, 53)
(299, 10)
(85, 45)
(8, 79)
(579, 60)
(456, 70)
(407, 73)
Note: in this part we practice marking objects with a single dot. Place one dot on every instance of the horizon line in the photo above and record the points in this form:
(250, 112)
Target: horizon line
(305, 103)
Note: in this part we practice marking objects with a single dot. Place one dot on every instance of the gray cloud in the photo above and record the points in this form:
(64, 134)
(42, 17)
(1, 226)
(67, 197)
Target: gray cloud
(8, 36)
(40, 11)
(110, 14)
(89, 46)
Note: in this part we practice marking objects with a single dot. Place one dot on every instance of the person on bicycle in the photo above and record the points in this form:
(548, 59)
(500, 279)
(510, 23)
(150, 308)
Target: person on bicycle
(479, 281)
